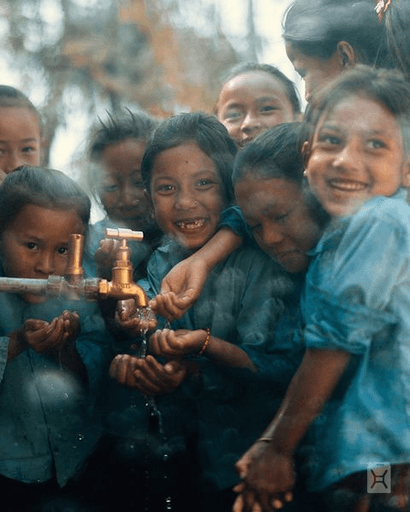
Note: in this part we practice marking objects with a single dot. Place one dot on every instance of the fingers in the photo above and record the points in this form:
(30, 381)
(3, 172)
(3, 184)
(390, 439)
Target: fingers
(167, 305)
(122, 369)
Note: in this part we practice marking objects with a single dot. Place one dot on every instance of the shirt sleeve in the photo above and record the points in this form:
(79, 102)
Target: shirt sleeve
(233, 219)
(349, 291)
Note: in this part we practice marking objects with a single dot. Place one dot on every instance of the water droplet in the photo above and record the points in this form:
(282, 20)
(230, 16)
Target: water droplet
(80, 437)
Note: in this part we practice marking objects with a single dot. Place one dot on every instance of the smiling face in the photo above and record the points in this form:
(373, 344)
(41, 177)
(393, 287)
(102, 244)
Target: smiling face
(280, 221)
(251, 103)
(187, 194)
(20, 139)
(356, 153)
(122, 190)
(315, 72)
(35, 244)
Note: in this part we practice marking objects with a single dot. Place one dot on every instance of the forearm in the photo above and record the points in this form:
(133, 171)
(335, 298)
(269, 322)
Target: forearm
(227, 354)
(219, 247)
(16, 346)
(309, 390)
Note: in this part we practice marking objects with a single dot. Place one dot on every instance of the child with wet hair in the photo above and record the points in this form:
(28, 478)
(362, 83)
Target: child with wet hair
(20, 131)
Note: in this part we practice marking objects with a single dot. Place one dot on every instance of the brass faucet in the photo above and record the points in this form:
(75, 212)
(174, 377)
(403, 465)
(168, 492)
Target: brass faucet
(73, 285)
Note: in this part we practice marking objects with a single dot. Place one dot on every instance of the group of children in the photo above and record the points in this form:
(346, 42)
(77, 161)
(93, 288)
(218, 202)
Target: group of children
(276, 261)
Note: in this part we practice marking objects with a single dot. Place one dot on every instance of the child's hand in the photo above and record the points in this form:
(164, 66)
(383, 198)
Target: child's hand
(267, 479)
(181, 288)
(105, 255)
(134, 320)
(45, 337)
(148, 375)
(175, 344)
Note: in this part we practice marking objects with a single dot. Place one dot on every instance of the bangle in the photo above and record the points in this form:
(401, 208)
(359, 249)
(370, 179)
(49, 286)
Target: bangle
(206, 342)
(264, 440)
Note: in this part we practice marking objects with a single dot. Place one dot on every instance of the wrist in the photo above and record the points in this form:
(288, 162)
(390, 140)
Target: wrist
(206, 342)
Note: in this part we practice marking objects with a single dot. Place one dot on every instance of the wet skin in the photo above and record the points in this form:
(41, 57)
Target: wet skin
(251, 103)
(122, 190)
(279, 219)
(35, 244)
(356, 153)
(186, 193)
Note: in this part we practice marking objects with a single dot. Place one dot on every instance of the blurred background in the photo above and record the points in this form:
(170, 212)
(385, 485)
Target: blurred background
(78, 59)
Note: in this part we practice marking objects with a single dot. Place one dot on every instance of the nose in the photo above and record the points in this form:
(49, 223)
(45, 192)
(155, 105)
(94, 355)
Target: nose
(129, 196)
(348, 157)
(271, 235)
(185, 200)
(45, 263)
(251, 123)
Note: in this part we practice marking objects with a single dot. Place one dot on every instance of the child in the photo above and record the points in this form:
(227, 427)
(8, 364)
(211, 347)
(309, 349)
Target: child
(255, 97)
(187, 170)
(325, 38)
(114, 178)
(20, 131)
(355, 308)
(52, 351)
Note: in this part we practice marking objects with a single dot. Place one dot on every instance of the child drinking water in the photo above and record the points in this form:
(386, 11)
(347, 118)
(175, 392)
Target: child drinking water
(229, 332)
(355, 308)
(20, 131)
(255, 97)
(52, 352)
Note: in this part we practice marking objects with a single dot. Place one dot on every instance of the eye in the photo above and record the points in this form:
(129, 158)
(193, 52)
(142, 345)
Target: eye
(268, 109)
(62, 250)
(376, 144)
(110, 189)
(31, 245)
(166, 188)
(232, 115)
(29, 149)
(329, 138)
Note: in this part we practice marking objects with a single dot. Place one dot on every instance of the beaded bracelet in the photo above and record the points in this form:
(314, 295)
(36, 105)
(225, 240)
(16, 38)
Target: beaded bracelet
(208, 336)
(264, 440)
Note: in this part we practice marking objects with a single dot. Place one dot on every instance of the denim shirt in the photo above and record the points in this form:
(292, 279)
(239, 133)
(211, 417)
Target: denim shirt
(357, 299)
(47, 426)
(242, 302)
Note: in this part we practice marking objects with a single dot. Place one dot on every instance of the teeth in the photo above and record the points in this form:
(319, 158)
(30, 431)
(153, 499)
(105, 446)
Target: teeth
(347, 185)
(194, 224)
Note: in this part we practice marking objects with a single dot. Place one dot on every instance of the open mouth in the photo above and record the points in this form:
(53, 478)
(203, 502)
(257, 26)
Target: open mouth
(347, 185)
(190, 224)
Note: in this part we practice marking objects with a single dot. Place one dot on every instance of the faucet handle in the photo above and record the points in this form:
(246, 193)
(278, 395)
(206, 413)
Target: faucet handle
(125, 234)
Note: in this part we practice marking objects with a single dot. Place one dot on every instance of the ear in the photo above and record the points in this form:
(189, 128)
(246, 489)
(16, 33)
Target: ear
(305, 151)
(405, 180)
(347, 55)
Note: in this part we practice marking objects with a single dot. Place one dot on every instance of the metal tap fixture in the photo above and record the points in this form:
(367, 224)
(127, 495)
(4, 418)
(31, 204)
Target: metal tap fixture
(75, 287)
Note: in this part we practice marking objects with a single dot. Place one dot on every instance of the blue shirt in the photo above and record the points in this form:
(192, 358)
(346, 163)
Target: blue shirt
(47, 426)
(242, 302)
(357, 299)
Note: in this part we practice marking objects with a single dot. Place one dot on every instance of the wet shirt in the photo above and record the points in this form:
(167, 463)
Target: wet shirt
(47, 427)
(242, 302)
(357, 299)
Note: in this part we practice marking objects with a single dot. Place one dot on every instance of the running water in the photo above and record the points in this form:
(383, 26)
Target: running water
(155, 416)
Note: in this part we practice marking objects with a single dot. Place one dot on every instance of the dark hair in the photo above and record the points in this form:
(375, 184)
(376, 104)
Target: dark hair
(11, 97)
(315, 27)
(290, 88)
(47, 188)
(275, 154)
(202, 129)
(389, 88)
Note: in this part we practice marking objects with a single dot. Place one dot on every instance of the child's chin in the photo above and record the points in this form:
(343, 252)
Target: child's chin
(31, 298)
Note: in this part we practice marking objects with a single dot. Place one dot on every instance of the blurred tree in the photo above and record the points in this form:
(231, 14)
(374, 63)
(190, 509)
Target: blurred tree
(114, 51)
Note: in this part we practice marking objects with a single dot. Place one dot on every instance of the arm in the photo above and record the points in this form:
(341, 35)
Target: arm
(183, 284)
(266, 468)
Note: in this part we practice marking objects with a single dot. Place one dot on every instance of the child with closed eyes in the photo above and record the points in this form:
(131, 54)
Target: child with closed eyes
(52, 352)
(352, 387)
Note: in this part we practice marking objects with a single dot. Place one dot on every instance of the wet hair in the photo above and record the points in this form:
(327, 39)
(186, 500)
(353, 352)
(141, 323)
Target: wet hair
(315, 27)
(132, 125)
(206, 132)
(275, 154)
(388, 88)
(43, 187)
(246, 67)
(12, 97)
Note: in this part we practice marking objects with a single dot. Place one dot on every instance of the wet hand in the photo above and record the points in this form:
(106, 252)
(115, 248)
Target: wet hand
(133, 319)
(153, 378)
(175, 344)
